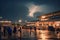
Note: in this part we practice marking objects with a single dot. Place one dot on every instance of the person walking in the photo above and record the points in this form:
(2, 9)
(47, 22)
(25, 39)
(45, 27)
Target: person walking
(4, 30)
(9, 30)
(14, 31)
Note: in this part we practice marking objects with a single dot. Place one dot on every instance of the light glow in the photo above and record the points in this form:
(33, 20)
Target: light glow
(43, 17)
(5, 21)
(20, 20)
(0, 17)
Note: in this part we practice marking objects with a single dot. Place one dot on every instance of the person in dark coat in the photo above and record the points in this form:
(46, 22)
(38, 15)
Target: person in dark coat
(9, 30)
(58, 30)
(14, 31)
(5, 29)
(51, 28)
(0, 32)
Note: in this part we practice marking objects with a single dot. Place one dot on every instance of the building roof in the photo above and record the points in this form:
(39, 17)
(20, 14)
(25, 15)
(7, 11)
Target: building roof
(51, 16)
(53, 13)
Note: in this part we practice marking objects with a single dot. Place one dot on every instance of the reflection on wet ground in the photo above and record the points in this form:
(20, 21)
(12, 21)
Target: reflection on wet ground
(41, 35)
(47, 35)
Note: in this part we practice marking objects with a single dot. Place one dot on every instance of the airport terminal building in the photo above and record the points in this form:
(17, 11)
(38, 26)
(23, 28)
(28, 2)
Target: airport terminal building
(50, 19)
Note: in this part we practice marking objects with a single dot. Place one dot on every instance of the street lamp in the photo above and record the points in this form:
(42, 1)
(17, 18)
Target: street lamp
(43, 17)
(20, 20)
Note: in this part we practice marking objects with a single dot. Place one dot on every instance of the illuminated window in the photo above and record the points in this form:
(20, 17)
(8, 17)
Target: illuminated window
(57, 25)
(43, 16)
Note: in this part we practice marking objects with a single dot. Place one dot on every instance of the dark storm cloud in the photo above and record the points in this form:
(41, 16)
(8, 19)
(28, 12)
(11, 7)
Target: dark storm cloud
(16, 9)
(21, 11)
(54, 4)
(13, 10)
(37, 14)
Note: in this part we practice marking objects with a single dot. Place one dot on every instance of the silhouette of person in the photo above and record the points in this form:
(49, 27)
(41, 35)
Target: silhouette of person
(14, 31)
(58, 30)
(9, 30)
(5, 29)
(0, 32)
(51, 28)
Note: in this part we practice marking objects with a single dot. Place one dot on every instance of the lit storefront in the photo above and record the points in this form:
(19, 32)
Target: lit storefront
(50, 19)
(5, 23)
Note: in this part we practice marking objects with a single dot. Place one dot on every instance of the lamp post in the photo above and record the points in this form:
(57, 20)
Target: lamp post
(20, 21)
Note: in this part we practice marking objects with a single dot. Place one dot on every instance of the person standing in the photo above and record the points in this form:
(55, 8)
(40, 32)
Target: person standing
(4, 30)
(0, 32)
(9, 30)
(14, 31)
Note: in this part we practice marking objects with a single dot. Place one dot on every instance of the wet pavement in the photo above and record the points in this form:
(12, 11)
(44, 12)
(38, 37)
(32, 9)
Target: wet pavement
(47, 35)
(41, 35)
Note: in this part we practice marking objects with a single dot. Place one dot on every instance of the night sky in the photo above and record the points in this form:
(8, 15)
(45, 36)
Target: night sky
(27, 9)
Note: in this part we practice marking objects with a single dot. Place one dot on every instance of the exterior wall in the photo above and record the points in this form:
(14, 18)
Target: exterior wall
(50, 16)
(50, 19)
(55, 24)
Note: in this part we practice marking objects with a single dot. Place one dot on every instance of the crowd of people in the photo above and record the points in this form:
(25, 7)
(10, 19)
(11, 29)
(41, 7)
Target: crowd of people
(51, 28)
(9, 31)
